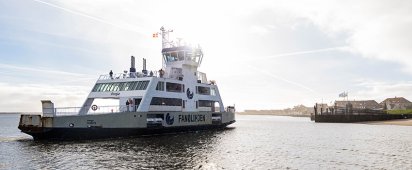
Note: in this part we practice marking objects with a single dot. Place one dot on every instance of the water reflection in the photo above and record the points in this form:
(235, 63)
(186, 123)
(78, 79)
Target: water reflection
(181, 151)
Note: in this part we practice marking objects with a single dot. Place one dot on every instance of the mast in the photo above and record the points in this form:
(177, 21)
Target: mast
(166, 43)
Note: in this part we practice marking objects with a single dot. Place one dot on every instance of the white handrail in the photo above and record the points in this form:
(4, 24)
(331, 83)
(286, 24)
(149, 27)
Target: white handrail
(128, 75)
(63, 111)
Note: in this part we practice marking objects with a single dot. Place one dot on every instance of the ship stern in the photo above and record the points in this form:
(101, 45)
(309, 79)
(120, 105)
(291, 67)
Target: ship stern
(35, 125)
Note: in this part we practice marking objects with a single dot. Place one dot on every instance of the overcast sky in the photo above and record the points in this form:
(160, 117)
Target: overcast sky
(262, 54)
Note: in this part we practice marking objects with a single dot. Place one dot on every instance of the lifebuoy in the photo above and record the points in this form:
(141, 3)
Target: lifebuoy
(94, 107)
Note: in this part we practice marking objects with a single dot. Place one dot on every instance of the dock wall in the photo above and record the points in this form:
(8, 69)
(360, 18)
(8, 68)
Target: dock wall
(358, 118)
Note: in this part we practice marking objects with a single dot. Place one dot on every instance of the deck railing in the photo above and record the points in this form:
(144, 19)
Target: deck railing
(129, 75)
(64, 111)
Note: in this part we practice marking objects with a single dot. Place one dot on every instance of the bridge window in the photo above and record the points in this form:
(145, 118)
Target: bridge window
(188, 55)
(171, 56)
(159, 101)
(203, 90)
(181, 55)
(174, 87)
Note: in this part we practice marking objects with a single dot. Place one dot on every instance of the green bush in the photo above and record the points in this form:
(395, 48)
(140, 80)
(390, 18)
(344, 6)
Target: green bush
(407, 111)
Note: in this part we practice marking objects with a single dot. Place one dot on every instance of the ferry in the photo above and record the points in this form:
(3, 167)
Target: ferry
(176, 98)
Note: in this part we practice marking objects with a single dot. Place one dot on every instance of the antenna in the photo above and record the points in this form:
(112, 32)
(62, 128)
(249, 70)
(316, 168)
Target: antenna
(166, 43)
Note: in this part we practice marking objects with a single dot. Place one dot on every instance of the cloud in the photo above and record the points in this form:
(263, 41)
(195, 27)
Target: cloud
(375, 29)
(341, 48)
(336, 43)
(381, 90)
(277, 77)
(41, 70)
(134, 29)
(26, 97)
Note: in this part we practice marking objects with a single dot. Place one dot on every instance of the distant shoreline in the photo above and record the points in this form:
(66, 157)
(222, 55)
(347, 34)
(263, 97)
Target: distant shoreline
(271, 114)
(19, 113)
(10, 113)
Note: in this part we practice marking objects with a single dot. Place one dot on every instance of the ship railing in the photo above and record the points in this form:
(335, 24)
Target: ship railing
(129, 75)
(66, 111)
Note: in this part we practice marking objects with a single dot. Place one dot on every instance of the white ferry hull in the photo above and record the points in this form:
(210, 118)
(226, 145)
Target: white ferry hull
(108, 126)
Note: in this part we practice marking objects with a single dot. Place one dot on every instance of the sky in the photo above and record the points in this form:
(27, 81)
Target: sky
(262, 54)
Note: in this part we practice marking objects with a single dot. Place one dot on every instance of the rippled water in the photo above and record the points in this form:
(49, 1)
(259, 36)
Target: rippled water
(253, 142)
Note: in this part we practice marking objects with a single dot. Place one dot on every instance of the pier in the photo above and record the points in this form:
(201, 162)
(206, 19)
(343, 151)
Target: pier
(348, 114)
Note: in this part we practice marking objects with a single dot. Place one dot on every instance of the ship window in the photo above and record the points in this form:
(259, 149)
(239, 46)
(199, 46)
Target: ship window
(138, 85)
(107, 88)
(197, 57)
(188, 55)
(171, 56)
(213, 92)
(100, 87)
(96, 87)
(160, 86)
(205, 103)
(167, 57)
(126, 86)
(146, 83)
(141, 85)
(203, 90)
(181, 55)
(121, 85)
(173, 87)
(112, 86)
(103, 87)
(133, 85)
(115, 87)
(159, 101)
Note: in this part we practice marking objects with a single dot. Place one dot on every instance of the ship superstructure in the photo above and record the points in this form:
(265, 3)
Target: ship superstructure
(176, 97)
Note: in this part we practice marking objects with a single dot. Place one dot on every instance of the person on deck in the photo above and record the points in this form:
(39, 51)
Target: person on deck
(111, 74)
(127, 105)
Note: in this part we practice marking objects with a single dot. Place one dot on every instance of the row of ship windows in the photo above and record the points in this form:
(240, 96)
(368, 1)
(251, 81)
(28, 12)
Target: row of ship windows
(142, 85)
(160, 101)
(182, 55)
(121, 86)
(176, 87)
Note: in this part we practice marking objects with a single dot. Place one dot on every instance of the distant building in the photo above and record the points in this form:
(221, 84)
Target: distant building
(397, 103)
(321, 107)
(360, 104)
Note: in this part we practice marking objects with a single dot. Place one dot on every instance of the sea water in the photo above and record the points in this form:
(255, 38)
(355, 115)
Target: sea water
(253, 142)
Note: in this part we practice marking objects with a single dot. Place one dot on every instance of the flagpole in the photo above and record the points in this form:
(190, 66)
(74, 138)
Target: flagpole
(347, 96)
